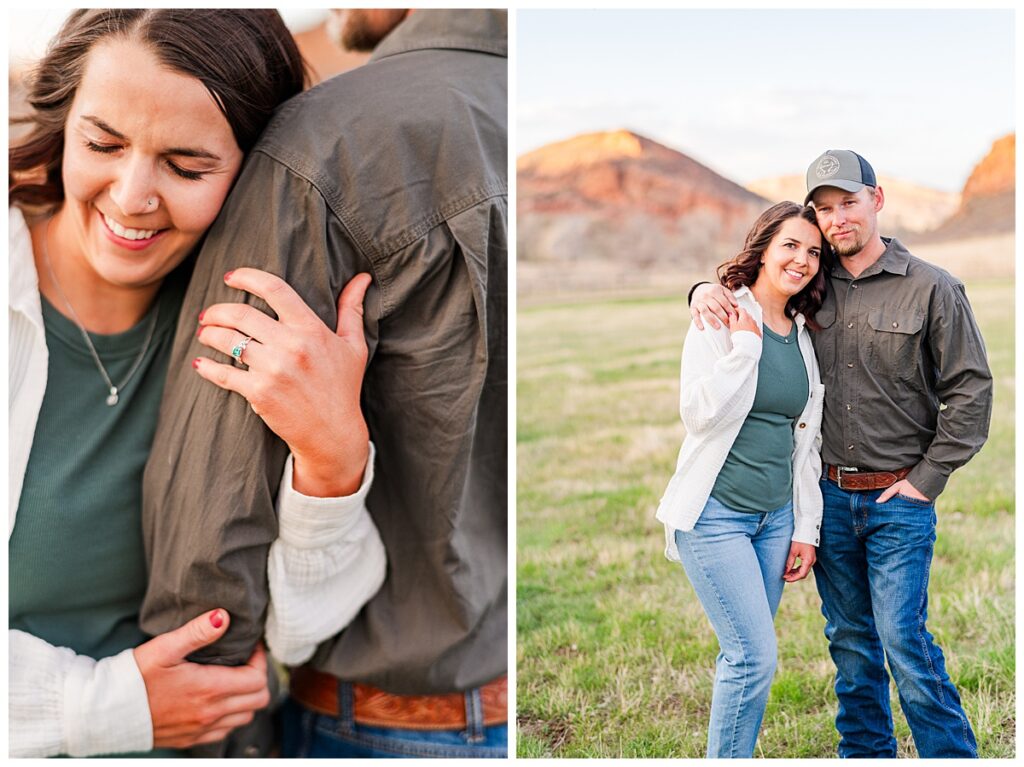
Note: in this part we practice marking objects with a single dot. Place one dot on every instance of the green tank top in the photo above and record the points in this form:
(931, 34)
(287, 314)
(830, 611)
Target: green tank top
(758, 472)
(77, 570)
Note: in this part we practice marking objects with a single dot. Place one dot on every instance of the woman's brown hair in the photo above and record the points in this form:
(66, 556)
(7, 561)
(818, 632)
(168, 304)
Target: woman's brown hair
(247, 59)
(744, 267)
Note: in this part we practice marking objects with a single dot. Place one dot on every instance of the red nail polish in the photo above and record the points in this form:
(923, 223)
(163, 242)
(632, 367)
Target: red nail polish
(204, 310)
(199, 330)
(216, 620)
(195, 363)
(227, 275)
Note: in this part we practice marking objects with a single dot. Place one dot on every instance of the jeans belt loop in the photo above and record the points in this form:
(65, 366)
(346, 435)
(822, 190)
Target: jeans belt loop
(474, 717)
(346, 706)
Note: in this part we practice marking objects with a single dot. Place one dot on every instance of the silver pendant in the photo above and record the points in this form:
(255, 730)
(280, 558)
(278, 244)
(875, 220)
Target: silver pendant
(112, 399)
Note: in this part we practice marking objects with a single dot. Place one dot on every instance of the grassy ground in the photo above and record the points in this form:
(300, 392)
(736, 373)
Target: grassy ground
(615, 655)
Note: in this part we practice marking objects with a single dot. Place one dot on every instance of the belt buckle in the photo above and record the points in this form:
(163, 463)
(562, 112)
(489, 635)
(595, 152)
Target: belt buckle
(840, 470)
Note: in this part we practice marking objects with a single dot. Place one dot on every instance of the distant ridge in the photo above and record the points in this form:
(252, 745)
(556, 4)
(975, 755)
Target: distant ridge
(616, 211)
(603, 169)
(620, 197)
(988, 198)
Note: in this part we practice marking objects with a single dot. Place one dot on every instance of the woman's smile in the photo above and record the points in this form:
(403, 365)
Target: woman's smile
(127, 237)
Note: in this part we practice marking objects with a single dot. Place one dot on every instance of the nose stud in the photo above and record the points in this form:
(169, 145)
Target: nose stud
(150, 202)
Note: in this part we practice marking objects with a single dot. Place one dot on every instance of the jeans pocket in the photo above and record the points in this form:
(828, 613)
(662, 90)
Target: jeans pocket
(914, 501)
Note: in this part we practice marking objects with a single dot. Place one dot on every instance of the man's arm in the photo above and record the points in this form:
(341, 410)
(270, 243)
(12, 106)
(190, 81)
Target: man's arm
(712, 302)
(214, 469)
(963, 386)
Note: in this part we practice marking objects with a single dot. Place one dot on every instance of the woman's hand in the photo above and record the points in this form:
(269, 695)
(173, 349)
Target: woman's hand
(743, 321)
(806, 553)
(303, 379)
(190, 703)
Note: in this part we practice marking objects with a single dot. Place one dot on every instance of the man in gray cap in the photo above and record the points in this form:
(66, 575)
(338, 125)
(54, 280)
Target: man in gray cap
(908, 399)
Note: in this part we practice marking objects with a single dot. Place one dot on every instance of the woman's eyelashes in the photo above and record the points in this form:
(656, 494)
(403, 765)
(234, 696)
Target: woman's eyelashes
(190, 175)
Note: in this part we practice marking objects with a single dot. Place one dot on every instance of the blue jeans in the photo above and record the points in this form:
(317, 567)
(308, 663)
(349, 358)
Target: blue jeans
(735, 562)
(309, 735)
(872, 575)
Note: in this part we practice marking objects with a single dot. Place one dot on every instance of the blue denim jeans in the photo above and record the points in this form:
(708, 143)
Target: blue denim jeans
(309, 735)
(735, 561)
(872, 575)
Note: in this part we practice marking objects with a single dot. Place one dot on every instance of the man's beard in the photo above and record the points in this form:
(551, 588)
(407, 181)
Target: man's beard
(361, 32)
(850, 246)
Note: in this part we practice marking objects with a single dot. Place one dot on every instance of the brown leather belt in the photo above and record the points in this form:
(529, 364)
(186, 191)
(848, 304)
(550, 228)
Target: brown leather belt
(376, 708)
(856, 479)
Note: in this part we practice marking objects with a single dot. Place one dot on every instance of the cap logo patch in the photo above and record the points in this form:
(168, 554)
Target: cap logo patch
(828, 166)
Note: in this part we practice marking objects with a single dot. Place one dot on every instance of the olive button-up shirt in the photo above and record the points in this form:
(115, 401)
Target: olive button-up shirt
(907, 381)
(397, 168)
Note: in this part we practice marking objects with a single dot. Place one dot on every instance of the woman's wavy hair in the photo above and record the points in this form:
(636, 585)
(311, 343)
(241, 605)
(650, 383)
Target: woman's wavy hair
(247, 59)
(744, 267)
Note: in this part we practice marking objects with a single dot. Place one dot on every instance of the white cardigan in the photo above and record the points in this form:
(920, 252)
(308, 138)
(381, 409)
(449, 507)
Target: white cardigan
(327, 562)
(718, 382)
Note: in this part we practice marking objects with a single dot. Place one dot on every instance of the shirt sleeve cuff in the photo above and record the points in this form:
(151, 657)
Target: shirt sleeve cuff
(307, 522)
(747, 343)
(927, 480)
(806, 531)
(106, 709)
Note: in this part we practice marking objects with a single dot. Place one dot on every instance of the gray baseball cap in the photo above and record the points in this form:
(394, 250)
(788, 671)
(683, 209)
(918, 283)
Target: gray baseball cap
(840, 168)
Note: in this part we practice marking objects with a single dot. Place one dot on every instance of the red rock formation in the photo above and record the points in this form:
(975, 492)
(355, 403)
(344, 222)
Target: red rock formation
(621, 196)
(994, 175)
(987, 202)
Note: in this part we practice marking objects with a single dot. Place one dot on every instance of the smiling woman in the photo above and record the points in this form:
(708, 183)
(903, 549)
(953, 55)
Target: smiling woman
(136, 203)
(140, 122)
(743, 509)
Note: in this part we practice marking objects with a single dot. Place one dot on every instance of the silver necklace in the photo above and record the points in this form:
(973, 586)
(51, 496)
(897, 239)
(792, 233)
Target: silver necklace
(112, 397)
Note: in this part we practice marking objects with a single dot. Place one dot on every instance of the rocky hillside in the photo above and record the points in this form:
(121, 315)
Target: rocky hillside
(987, 200)
(620, 198)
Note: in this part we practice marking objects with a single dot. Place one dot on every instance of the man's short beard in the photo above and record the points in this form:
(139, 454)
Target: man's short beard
(848, 249)
(852, 249)
(363, 33)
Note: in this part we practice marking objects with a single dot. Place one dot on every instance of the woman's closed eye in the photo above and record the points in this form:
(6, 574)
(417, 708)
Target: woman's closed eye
(190, 175)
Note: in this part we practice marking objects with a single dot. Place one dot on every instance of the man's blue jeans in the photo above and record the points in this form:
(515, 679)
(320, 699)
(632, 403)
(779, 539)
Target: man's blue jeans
(872, 575)
(309, 735)
(735, 562)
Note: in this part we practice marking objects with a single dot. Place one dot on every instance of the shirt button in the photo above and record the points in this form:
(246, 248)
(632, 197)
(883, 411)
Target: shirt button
(849, 364)
(854, 286)
(849, 447)
(803, 426)
(849, 325)
(849, 406)
(895, 324)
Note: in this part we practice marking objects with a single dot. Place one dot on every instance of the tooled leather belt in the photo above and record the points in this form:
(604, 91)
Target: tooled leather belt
(318, 691)
(858, 479)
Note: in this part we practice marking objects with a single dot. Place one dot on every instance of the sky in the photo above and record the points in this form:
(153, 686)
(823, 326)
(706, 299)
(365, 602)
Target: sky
(922, 94)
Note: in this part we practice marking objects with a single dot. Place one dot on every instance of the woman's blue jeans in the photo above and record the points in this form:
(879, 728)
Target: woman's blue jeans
(735, 561)
(872, 575)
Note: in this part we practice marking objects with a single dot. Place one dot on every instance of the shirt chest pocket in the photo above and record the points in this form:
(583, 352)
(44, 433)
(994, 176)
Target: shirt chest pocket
(895, 340)
(826, 338)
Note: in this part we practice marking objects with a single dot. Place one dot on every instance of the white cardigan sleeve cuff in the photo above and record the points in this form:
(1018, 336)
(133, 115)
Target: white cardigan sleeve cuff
(63, 703)
(326, 563)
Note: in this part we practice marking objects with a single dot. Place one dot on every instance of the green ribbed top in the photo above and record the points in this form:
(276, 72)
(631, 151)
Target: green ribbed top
(758, 472)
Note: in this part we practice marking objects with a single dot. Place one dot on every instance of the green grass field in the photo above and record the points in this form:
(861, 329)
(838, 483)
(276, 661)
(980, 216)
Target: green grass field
(615, 655)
